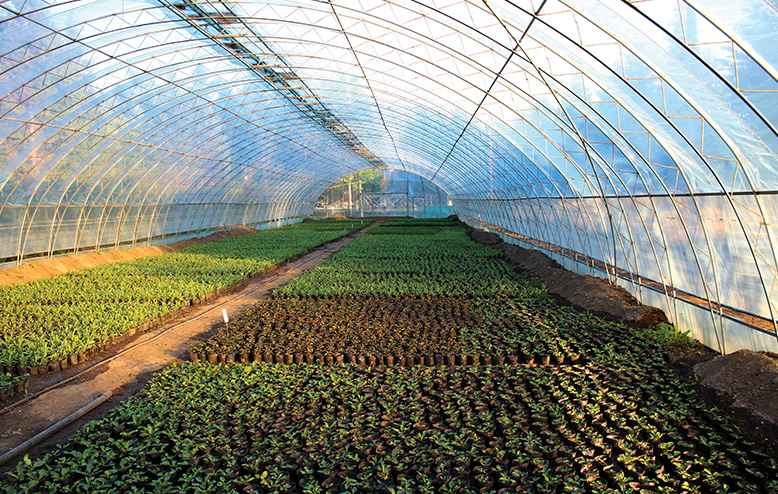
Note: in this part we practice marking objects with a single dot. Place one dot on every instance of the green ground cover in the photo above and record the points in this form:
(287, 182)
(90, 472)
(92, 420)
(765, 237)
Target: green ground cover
(47, 320)
(628, 426)
(443, 263)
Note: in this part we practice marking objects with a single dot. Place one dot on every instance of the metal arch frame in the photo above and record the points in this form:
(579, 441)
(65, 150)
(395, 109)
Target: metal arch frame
(657, 112)
(725, 192)
(551, 117)
(367, 82)
(661, 230)
(583, 212)
(168, 81)
(225, 190)
(236, 163)
(299, 97)
(458, 170)
(184, 169)
(746, 172)
(603, 127)
(733, 209)
(680, 170)
(552, 164)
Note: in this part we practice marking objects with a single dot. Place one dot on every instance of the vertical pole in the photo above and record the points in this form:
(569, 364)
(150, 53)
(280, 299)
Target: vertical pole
(350, 204)
(359, 191)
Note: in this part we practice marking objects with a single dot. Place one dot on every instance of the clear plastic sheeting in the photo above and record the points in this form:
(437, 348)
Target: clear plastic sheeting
(387, 192)
(635, 140)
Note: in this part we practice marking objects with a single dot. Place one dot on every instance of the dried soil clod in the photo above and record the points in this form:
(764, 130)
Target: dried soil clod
(749, 379)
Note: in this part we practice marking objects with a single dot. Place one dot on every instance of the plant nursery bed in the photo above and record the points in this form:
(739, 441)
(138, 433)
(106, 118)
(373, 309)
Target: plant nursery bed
(421, 330)
(52, 324)
(616, 419)
(45, 268)
(443, 263)
(630, 426)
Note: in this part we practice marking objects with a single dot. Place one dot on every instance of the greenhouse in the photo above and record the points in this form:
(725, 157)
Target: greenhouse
(388, 246)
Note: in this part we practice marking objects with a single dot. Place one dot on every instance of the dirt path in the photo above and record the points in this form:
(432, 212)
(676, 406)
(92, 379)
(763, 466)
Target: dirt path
(128, 373)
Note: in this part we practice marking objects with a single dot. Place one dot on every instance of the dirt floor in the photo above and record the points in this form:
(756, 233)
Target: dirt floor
(744, 383)
(747, 377)
(35, 270)
(128, 373)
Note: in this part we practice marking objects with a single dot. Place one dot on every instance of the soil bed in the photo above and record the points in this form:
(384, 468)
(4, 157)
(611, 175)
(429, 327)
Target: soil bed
(749, 378)
(585, 292)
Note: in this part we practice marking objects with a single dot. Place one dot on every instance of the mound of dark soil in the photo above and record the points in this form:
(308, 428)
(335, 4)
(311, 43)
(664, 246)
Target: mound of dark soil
(748, 379)
(585, 292)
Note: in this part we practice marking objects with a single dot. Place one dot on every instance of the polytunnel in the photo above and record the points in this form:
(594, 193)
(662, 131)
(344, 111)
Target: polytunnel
(633, 140)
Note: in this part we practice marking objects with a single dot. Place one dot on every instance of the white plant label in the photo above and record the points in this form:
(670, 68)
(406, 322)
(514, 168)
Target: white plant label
(225, 316)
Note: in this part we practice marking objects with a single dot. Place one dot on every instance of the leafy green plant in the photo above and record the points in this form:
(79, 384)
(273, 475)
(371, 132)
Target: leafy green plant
(666, 335)
(617, 420)
(11, 385)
